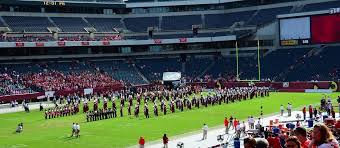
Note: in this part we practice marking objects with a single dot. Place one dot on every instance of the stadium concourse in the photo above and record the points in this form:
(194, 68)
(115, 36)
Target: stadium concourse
(194, 139)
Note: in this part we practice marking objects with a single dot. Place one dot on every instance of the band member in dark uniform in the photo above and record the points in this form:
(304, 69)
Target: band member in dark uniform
(95, 105)
(172, 107)
(85, 107)
(155, 110)
(114, 112)
(105, 104)
(121, 110)
(113, 104)
(129, 110)
(46, 114)
(146, 111)
(164, 109)
(136, 111)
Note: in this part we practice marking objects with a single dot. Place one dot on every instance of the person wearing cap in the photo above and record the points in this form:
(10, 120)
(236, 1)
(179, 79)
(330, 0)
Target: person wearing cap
(301, 134)
(141, 142)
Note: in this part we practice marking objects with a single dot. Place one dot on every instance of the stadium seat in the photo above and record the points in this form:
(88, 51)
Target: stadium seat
(105, 24)
(143, 23)
(183, 22)
(63, 23)
(28, 24)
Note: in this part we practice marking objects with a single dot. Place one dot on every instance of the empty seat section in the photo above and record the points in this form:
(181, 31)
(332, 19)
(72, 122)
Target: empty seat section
(28, 24)
(226, 20)
(183, 22)
(105, 24)
(66, 24)
(140, 24)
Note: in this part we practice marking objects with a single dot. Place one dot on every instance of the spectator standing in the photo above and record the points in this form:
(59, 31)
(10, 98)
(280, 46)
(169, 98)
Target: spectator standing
(310, 109)
(289, 109)
(141, 142)
(304, 112)
(226, 125)
(77, 130)
(282, 109)
(74, 128)
(165, 141)
(205, 131)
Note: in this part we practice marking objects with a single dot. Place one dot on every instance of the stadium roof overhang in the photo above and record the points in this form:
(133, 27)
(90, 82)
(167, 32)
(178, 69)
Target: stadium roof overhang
(177, 3)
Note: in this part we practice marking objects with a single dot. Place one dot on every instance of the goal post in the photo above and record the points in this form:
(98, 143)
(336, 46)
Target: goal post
(258, 65)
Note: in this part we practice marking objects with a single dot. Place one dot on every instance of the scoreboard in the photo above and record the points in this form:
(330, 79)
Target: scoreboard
(316, 29)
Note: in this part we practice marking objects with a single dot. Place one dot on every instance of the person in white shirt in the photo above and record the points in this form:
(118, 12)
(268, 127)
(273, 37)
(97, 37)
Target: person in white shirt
(74, 127)
(252, 122)
(19, 128)
(249, 122)
(282, 109)
(77, 130)
(243, 128)
(205, 131)
(238, 130)
(289, 109)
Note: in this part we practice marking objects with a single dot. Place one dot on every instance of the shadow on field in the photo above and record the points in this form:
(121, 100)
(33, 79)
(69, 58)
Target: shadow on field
(70, 138)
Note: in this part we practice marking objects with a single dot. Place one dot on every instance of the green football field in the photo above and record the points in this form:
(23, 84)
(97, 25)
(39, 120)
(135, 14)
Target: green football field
(123, 132)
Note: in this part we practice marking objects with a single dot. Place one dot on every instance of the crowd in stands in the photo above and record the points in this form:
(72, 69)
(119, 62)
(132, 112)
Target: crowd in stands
(10, 85)
(31, 38)
(279, 65)
(320, 136)
(28, 38)
(88, 38)
(55, 80)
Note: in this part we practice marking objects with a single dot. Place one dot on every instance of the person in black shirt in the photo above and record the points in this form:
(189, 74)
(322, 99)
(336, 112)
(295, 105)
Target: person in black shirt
(121, 110)
(129, 110)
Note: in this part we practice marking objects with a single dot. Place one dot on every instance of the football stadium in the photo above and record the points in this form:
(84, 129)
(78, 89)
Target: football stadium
(169, 73)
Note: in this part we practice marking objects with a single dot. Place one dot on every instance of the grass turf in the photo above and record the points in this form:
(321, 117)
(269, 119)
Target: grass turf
(124, 132)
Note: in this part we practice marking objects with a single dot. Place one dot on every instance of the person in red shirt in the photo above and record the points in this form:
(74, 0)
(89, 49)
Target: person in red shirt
(304, 113)
(310, 111)
(270, 140)
(235, 124)
(165, 141)
(276, 141)
(301, 134)
(337, 125)
(141, 142)
(226, 125)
